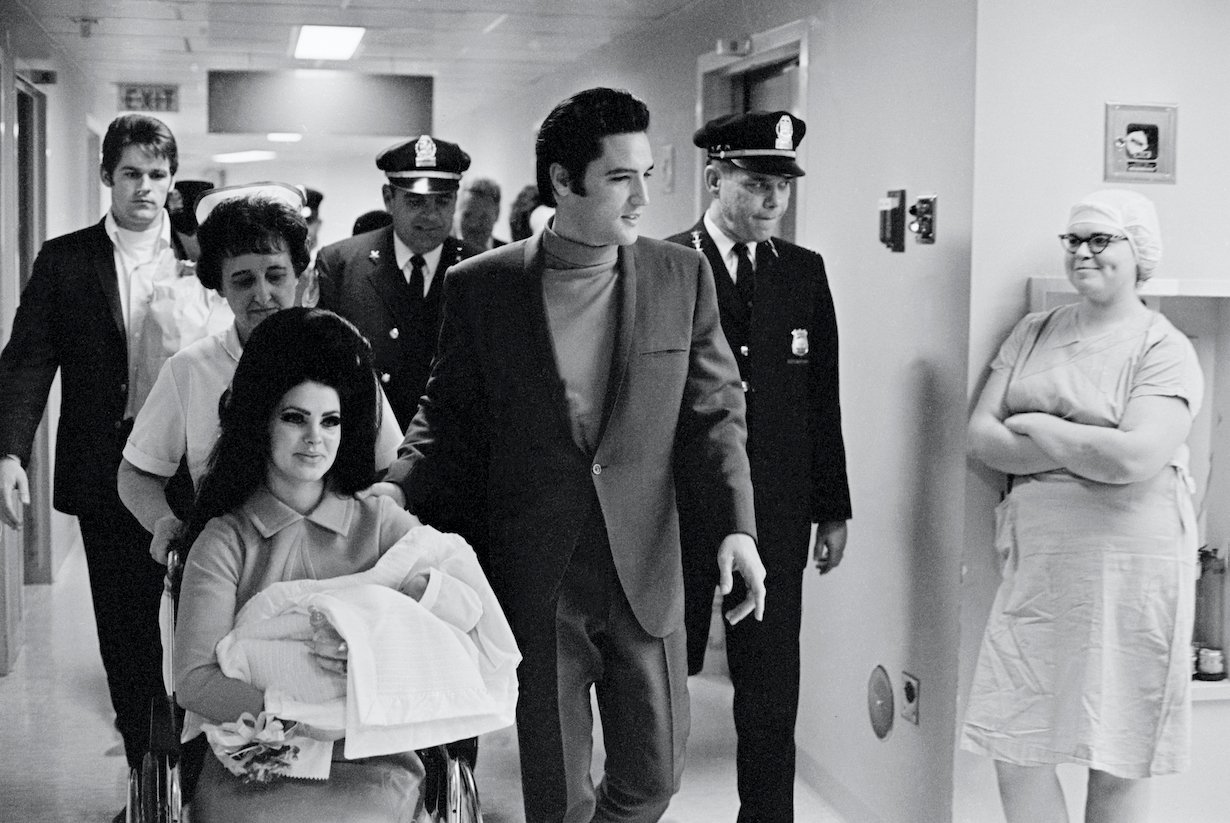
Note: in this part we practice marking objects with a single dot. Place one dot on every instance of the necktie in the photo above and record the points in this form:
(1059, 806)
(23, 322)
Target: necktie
(745, 275)
(417, 264)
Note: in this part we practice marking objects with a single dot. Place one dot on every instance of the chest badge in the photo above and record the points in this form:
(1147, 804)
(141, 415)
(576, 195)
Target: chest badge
(798, 342)
(374, 255)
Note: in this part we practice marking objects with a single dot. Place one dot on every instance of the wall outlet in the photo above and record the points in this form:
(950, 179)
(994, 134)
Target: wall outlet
(909, 697)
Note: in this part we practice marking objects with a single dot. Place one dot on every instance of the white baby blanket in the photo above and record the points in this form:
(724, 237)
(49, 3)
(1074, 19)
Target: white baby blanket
(419, 673)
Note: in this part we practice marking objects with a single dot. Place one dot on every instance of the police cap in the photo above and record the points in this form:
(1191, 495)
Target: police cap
(759, 141)
(424, 165)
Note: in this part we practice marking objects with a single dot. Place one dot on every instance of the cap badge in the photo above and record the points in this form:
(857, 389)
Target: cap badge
(425, 153)
(785, 133)
(696, 239)
(798, 342)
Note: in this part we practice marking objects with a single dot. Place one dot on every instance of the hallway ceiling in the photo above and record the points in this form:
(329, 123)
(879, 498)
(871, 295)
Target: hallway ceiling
(476, 51)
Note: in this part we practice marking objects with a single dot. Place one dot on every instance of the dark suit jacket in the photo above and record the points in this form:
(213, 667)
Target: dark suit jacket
(359, 280)
(70, 319)
(795, 444)
(495, 414)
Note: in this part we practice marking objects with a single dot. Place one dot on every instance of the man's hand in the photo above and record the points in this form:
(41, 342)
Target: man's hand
(164, 532)
(326, 645)
(738, 554)
(828, 544)
(387, 489)
(13, 478)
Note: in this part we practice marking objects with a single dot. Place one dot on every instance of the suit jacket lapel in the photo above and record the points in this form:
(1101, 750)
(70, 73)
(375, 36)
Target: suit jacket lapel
(450, 255)
(102, 254)
(387, 279)
(542, 349)
(625, 325)
(728, 296)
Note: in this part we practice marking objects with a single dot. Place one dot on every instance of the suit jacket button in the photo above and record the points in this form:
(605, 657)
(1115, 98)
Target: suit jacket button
(597, 468)
(394, 333)
(745, 385)
(119, 424)
(743, 350)
(384, 377)
(123, 388)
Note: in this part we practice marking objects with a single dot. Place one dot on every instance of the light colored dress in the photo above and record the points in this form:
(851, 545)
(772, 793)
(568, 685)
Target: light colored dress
(1086, 656)
(237, 556)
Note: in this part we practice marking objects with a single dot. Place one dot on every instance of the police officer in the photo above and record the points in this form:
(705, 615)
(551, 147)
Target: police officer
(777, 314)
(388, 282)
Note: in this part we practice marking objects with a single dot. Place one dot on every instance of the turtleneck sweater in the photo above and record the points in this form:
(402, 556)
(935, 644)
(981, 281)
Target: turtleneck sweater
(579, 288)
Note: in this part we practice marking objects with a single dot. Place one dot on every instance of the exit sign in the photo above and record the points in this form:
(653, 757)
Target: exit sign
(148, 97)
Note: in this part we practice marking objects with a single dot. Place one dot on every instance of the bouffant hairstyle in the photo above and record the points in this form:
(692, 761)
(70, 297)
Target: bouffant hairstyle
(293, 346)
(250, 225)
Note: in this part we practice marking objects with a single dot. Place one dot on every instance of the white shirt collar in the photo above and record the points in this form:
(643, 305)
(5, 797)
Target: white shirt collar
(403, 254)
(726, 245)
(230, 342)
(163, 231)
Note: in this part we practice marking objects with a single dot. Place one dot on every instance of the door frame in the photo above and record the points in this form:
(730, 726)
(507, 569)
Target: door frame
(714, 73)
(30, 149)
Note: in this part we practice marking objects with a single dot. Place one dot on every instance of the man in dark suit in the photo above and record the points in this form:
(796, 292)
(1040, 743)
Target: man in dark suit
(388, 282)
(777, 314)
(572, 367)
(81, 314)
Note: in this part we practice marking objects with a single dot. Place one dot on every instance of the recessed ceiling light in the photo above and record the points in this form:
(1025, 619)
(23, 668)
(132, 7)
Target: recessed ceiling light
(328, 42)
(244, 156)
(283, 137)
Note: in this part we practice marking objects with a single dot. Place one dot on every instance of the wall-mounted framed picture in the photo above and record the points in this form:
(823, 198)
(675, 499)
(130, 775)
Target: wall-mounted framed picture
(1140, 143)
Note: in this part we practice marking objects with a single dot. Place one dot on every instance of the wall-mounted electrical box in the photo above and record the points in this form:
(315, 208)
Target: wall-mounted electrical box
(892, 220)
(923, 224)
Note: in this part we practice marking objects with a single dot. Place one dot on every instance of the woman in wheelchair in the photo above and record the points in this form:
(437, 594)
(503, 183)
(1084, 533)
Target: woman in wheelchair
(270, 683)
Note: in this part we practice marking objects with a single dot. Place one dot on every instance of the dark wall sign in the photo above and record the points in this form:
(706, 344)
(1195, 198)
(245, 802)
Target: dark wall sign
(312, 101)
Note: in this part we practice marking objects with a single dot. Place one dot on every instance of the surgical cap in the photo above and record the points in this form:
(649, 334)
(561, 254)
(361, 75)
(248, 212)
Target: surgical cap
(1127, 213)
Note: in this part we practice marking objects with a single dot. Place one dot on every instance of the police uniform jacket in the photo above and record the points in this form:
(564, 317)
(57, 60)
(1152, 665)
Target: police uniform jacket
(359, 279)
(786, 349)
(495, 414)
(70, 319)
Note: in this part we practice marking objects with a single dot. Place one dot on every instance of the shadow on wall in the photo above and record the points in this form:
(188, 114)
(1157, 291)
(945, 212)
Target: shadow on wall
(935, 511)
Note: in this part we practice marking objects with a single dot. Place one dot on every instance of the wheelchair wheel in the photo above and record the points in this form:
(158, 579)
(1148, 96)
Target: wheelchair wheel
(463, 801)
(132, 810)
(449, 792)
(160, 797)
(154, 789)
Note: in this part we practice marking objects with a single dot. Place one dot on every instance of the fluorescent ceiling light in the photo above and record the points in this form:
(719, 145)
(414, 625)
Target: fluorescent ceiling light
(328, 42)
(244, 156)
(283, 137)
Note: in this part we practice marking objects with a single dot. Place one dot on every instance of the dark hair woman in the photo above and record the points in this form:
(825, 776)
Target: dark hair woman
(278, 503)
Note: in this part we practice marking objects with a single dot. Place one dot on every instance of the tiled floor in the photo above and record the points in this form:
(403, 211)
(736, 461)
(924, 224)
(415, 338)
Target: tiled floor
(61, 761)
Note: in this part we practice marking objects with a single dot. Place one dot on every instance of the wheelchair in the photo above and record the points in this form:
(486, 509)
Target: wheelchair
(155, 793)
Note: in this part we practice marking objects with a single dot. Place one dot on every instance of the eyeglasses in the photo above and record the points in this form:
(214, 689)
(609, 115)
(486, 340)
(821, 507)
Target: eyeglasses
(1097, 242)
